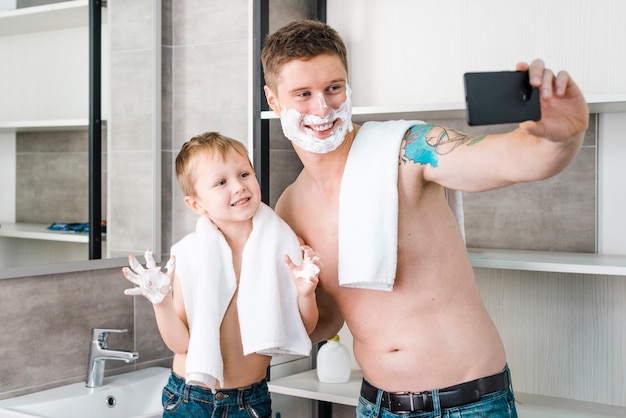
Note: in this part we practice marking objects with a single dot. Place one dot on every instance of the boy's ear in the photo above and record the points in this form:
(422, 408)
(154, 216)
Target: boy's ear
(272, 100)
(194, 205)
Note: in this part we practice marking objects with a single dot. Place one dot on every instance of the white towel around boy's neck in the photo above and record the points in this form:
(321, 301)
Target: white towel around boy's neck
(269, 317)
(368, 207)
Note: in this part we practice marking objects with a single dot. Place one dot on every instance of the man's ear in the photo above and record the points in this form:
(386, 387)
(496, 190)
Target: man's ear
(194, 205)
(272, 100)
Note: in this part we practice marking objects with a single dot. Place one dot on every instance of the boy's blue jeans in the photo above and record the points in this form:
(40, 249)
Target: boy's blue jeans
(499, 404)
(182, 400)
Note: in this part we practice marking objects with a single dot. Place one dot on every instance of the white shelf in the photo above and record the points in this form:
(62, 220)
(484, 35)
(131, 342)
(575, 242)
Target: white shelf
(557, 262)
(597, 104)
(44, 125)
(55, 16)
(40, 232)
(305, 385)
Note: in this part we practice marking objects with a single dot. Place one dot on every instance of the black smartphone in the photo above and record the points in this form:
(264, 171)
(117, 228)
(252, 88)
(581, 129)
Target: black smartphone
(500, 97)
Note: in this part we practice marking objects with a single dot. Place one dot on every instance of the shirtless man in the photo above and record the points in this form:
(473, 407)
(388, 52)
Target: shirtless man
(432, 330)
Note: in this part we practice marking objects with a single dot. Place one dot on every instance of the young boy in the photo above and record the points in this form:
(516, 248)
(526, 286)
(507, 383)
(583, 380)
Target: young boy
(422, 335)
(237, 298)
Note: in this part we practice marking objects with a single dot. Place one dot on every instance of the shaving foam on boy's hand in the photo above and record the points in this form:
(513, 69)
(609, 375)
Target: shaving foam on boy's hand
(310, 267)
(152, 283)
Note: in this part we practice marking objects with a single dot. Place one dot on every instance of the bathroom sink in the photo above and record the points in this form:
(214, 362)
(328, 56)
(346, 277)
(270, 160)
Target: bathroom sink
(129, 395)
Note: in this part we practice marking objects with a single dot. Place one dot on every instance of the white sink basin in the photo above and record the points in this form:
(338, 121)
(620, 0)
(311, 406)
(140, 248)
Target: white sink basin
(130, 395)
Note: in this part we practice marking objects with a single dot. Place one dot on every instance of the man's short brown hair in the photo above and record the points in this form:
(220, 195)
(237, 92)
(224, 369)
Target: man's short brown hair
(303, 39)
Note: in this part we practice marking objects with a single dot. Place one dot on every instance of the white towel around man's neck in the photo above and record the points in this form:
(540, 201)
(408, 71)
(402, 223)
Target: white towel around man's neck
(269, 317)
(368, 207)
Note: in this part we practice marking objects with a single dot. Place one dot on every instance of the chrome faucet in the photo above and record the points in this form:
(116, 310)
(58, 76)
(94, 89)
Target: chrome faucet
(99, 352)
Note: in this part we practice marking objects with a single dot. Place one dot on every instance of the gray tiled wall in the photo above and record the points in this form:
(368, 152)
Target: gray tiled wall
(132, 160)
(557, 214)
(205, 73)
(46, 322)
(52, 176)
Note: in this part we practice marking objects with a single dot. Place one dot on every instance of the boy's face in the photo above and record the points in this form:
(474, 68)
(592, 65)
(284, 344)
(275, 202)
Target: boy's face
(312, 97)
(226, 191)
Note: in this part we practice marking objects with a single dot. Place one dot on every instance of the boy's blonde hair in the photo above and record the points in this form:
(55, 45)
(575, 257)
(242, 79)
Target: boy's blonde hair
(303, 39)
(208, 141)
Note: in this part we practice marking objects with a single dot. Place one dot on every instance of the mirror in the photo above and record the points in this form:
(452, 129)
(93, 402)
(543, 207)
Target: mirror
(44, 135)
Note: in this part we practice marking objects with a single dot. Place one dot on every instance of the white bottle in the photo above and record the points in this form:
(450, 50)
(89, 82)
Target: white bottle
(333, 362)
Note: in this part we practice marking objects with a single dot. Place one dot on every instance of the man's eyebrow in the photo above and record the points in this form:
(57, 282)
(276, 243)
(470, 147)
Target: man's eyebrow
(297, 90)
(306, 88)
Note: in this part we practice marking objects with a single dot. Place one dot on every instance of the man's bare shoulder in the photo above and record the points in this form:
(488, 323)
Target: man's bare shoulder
(292, 202)
(283, 203)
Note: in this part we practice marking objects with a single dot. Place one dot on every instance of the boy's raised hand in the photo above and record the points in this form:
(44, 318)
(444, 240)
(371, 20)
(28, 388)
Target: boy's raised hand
(152, 283)
(308, 270)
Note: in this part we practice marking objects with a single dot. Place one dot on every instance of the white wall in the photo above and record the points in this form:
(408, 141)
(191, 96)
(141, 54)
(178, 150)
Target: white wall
(47, 77)
(416, 51)
(7, 4)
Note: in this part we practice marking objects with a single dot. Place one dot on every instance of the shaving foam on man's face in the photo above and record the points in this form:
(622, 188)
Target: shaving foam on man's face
(300, 128)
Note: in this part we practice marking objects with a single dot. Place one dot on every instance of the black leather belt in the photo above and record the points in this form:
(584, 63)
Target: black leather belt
(450, 397)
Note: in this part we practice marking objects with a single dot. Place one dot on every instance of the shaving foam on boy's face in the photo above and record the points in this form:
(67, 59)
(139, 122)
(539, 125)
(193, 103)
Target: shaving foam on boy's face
(296, 126)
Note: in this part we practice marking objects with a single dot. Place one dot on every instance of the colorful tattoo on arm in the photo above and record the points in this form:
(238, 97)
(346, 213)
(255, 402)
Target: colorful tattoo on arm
(423, 144)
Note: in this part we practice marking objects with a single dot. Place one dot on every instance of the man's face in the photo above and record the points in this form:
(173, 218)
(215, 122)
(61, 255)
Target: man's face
(312, 98)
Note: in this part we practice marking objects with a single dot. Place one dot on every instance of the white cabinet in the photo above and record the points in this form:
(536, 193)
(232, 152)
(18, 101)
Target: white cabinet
(44, 80)
(44, 71)
(285, 405)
